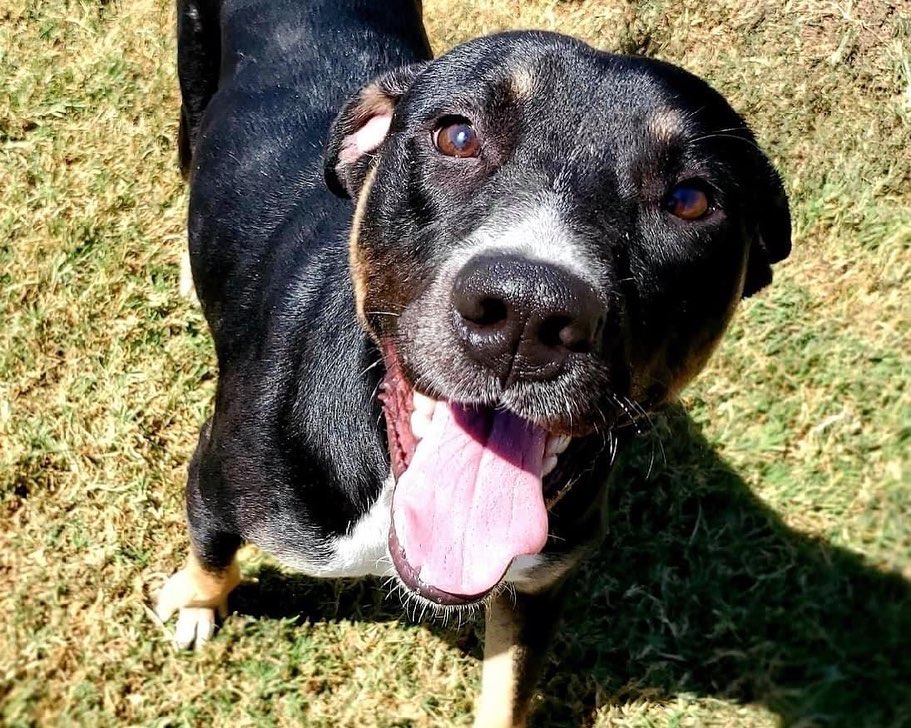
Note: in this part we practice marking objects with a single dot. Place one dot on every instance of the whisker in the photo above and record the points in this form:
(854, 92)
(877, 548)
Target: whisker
(718, 135)
(653, 430)
(376, 391)
(622, 404)
(383, 313)
(371, 366)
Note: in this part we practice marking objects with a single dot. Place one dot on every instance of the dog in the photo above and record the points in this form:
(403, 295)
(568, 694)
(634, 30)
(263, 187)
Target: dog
(442, 292)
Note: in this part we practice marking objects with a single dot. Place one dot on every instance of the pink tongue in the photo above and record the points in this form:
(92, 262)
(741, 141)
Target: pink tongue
(471, 499)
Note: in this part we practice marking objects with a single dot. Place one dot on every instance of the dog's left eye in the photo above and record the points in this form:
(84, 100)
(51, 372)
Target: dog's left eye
(457, 138)
(688, 201)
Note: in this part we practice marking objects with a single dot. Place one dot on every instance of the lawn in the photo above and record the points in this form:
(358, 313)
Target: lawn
(758, 570)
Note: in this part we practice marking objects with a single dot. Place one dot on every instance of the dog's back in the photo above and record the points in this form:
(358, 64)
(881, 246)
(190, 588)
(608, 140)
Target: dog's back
(261, 82)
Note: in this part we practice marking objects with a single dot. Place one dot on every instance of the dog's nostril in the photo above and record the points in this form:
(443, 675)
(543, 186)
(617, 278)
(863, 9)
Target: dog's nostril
(583, 335)
(577, 338)
(552, 331)
(484, 311)
(573, 334)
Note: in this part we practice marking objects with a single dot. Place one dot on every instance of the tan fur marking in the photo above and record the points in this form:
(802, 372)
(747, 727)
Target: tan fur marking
(373, 101)
(194, 587)
(698, 358)
(496, 706)
(676, 378)
(522, 84)
(694, 364)
(673, 378)
(356, 262)
(665, 125)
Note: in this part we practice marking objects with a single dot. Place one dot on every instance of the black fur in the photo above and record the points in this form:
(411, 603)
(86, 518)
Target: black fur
(269, 258)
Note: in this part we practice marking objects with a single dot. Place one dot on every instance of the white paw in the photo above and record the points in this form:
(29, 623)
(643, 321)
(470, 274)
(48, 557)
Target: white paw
(176, 593)
(195, 626)
(195, 612)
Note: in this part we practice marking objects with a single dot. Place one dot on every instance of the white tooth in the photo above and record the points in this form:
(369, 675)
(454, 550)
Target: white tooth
(420, 424)
(557, 444)
(550, 462)
(423, 404)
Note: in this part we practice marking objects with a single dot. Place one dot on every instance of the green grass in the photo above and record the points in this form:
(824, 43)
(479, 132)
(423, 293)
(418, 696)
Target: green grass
(759, 565)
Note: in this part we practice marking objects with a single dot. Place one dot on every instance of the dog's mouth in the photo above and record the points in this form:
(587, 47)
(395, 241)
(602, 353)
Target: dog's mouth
(469, 495)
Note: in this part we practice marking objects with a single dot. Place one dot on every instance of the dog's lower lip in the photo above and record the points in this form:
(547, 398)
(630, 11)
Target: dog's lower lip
(413, 582)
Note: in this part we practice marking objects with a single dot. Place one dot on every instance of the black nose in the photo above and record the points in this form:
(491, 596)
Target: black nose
(523, 319)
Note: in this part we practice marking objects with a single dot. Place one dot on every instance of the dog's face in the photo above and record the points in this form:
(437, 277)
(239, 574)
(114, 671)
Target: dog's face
(548, 239)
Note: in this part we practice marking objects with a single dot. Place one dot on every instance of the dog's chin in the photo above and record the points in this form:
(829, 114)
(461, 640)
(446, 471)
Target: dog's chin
(474, 485)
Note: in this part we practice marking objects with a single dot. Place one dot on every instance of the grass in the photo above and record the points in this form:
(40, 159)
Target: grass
(758, 572)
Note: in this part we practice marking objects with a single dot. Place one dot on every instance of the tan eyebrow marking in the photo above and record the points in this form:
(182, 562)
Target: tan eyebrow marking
(665, 125)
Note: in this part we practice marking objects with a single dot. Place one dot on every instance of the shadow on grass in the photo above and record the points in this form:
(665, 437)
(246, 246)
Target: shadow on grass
(277, 594)
(699, 589)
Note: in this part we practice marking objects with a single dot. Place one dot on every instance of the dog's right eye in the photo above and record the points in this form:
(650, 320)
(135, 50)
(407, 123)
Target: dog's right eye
(455, 137)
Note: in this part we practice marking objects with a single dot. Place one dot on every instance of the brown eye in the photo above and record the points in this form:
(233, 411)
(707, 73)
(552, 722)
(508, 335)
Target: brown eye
(687, 201)
(457, 139)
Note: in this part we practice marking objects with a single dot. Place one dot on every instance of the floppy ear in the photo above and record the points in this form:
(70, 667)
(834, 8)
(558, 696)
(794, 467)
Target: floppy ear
(771, 225)
(361, 127)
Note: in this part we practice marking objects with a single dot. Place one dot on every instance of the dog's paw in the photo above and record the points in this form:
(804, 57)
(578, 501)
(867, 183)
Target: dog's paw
(195, 626)
(196, 615)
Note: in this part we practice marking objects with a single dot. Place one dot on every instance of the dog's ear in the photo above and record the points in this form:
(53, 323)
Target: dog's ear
(770, 224)
(361, 127)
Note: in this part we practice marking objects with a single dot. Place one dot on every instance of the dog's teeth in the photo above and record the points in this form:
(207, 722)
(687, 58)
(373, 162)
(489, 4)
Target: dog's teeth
(550, 462)
(423, 404)
(557, 444)
(420, 424)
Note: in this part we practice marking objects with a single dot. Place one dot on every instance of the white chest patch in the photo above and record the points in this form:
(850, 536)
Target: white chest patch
(365, 551)
(362, 552)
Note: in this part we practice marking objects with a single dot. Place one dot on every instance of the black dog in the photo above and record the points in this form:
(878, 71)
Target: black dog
(548, 241)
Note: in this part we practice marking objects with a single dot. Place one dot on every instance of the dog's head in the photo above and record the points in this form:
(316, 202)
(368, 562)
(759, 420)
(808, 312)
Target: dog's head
(547, 240)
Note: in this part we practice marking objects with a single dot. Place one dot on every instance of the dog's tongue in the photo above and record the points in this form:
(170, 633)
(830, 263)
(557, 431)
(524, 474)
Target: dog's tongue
(471, 499)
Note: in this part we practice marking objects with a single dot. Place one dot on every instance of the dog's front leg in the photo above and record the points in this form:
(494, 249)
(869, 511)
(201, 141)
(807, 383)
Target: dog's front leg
(519, 629)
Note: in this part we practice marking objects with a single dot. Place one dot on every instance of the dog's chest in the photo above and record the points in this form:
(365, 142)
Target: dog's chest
(361, 552)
